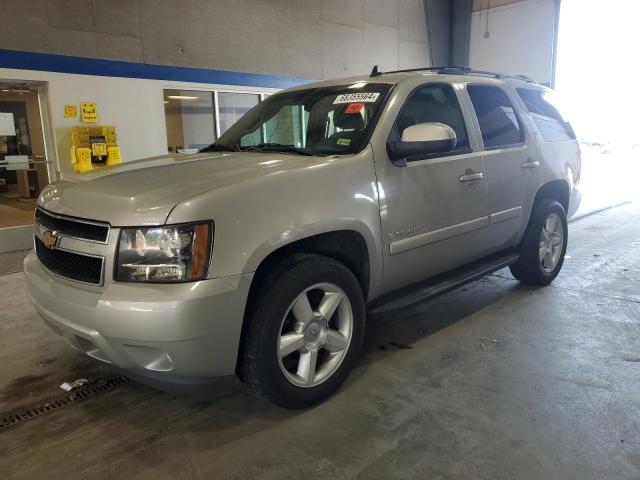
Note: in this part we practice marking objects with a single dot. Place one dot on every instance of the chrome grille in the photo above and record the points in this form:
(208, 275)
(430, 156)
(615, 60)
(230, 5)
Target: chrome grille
(73, 227)
(81, 268)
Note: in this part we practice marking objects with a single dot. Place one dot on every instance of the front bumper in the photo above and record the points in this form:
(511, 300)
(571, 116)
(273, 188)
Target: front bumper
(173, 333)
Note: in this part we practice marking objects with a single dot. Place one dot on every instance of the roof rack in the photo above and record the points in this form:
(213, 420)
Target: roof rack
(455, 70)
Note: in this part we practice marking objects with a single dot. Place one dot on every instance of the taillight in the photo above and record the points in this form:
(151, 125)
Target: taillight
(578, 173)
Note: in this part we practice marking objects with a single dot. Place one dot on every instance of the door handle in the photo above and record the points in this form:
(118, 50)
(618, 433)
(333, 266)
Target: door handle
(530, 163)
(471, 177)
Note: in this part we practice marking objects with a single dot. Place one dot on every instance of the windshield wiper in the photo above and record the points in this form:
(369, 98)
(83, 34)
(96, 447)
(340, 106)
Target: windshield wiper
(219, 147)
(275, 147)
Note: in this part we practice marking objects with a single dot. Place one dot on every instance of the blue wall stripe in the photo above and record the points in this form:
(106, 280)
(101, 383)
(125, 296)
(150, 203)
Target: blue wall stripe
(48, 62)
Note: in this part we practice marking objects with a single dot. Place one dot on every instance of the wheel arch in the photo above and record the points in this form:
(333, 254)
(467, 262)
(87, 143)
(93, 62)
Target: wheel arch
(558, 190)
(348, 247)
(345, 246)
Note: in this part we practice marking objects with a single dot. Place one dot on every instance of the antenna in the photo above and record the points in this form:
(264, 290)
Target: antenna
(375, 72)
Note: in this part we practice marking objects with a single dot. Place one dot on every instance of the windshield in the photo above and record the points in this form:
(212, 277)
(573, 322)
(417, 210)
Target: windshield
(332, 120)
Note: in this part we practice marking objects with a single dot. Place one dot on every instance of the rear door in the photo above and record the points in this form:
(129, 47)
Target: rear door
(511, 162)
(556, 139)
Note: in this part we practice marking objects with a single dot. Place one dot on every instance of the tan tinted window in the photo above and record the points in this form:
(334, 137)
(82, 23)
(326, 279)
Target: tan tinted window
(498, 121)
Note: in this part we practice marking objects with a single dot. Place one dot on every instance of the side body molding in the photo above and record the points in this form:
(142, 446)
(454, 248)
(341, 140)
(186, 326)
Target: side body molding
(434, 236)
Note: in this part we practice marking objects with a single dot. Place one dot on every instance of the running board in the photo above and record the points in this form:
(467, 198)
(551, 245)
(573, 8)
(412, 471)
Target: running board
(441, 284)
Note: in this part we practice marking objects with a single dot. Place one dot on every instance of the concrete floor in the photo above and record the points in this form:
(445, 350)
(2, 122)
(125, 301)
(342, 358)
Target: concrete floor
(493, 381)
(11, 262)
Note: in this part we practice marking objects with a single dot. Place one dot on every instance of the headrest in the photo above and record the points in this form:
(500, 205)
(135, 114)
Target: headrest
(348, 121)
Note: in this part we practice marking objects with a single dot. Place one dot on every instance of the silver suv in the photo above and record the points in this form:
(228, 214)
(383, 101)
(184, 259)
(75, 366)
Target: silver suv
(261, 255)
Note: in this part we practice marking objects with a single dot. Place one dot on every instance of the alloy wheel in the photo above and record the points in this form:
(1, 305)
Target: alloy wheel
(315, 334)
(551, 243)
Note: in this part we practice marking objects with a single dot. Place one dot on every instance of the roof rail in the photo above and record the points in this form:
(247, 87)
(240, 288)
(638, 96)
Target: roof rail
(455, 70)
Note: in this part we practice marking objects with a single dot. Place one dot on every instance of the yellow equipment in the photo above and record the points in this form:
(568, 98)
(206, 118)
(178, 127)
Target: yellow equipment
(94, 147)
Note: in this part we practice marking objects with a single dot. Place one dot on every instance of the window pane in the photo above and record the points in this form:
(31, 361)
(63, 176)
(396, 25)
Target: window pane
(190, 119)
(498, 121)
(432, 103)
(285, 128)
(24, 170)
(549, 121)
(322, 121)
(234, 105)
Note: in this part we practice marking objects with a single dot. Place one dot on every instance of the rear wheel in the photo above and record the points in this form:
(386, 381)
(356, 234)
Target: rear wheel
(544, 245)
(305, 331)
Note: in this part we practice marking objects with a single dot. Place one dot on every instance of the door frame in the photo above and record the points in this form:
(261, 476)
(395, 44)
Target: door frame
(48, 132)
(20, 237)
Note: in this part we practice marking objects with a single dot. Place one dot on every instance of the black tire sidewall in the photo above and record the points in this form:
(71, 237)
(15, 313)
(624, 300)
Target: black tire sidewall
(291, 279)
(529, 268)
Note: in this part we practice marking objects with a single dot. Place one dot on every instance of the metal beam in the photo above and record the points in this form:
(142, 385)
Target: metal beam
(554, 59)
(438, 17)
(448, 31)
(460, 32)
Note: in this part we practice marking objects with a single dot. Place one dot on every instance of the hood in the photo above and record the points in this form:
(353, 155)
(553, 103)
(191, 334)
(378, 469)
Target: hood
(143, 192)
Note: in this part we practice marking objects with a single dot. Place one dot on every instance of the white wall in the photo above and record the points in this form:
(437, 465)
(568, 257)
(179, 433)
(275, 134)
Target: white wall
(134, 106)
(520, 39)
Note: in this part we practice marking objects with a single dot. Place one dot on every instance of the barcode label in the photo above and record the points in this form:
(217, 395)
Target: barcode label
(369, 97)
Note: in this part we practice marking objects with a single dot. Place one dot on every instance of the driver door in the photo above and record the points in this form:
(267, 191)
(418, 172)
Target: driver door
(434, 209)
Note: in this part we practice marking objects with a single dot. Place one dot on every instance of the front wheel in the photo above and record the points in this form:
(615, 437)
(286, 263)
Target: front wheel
(544, 245)
(304, 331)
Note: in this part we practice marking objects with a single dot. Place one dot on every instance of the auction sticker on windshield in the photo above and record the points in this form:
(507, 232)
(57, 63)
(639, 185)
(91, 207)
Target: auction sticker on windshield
(354, 107)
(369, 97)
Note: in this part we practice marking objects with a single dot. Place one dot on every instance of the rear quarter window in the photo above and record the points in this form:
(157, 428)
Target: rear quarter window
(552, 126)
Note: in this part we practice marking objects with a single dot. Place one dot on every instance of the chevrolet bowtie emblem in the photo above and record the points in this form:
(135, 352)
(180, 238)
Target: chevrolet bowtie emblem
(49, 239)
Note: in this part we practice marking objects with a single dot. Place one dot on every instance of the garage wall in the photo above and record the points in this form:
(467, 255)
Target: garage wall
(121, 54)
(516, 38)
(308, 38)
(135, 106)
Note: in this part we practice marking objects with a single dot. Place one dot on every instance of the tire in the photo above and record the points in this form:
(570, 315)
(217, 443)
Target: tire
(282, 332)
(533, 269)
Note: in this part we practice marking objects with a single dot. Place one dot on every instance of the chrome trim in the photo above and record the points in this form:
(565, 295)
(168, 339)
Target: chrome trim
(434, 236)
(76, 220)
(505, 215)
(529, 163)
(471, 177)
(82, 254)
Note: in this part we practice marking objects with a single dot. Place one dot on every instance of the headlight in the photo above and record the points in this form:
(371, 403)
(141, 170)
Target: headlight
(175, 253)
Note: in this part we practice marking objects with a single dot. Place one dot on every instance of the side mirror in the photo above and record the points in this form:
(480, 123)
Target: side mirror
(420, 140)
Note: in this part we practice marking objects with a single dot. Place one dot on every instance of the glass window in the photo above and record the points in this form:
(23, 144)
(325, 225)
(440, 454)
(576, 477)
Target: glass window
(285, 127)
(432, 103)
(190, 119)
(499, 124)
(315, 121)
(232, 106)
(545, 115)
(24, 170)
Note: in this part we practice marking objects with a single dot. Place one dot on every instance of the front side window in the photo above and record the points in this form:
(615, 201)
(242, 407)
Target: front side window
(552, 126)
(498, 121)
(335, 120)
(432, 104)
